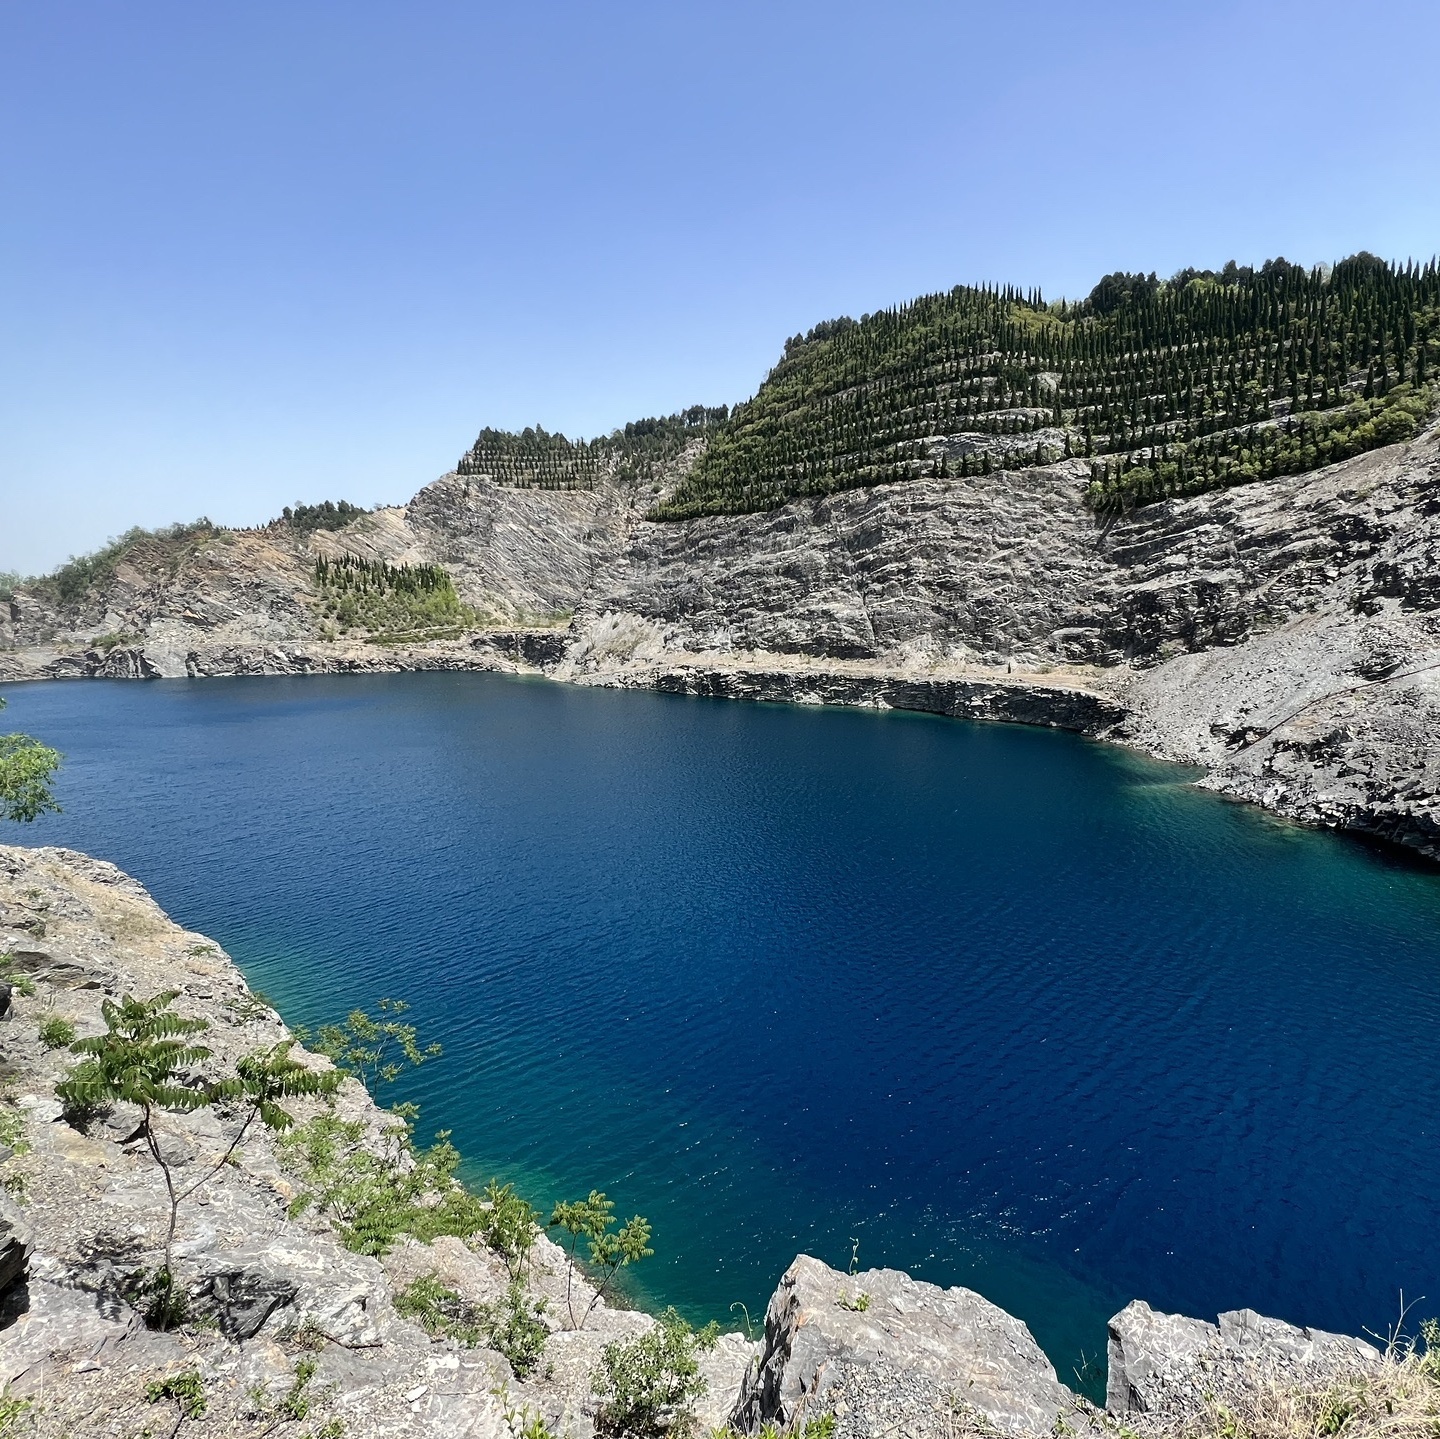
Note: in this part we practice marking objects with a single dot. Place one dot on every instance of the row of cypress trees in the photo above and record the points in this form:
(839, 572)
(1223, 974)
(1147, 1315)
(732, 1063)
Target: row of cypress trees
(1210, 378)
(537, 459)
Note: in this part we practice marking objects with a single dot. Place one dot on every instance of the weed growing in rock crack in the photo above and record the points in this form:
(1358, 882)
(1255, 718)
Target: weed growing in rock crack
(57, 1032)
(856, 1305)
(512, 1326)
(12, 1126)
(145, 1057)
(522, 1421)
(162, 1303)
(12, 1410)
(439, 1311)
(609, 1252)
(187, 1390)
(298, 1401)
(17, 979)
(305, 1335)
(13, 1138)
(648, 1385)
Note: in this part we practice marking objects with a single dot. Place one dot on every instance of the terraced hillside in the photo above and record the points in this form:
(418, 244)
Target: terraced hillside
(1167, 388)
(537, 459)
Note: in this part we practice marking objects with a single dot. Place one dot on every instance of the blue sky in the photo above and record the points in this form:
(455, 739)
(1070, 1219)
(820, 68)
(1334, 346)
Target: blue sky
(265, 252)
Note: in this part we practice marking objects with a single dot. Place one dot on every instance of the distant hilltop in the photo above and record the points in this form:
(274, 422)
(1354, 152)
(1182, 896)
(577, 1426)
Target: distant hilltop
(1166, 387)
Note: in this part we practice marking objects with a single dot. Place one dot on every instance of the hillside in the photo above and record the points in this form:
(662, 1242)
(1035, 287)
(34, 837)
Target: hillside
(1280, 628)
(637, 454)
(1165, 388)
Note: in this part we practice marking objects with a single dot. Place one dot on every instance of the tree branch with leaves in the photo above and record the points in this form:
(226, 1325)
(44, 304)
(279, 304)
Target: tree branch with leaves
(147, 1057)
(27, 769)
(610, 1251)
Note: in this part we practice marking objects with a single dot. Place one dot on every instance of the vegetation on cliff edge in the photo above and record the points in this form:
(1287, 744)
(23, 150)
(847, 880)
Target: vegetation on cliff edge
(1164, 387)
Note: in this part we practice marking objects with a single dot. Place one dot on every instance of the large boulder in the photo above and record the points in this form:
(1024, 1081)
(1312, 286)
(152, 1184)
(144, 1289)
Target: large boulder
(882, 1343)
(1166, 1363)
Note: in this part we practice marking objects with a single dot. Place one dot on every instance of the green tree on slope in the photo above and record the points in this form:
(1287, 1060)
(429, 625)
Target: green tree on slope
(26, 769)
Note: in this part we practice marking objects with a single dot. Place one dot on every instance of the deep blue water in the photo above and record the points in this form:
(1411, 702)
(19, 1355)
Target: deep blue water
(1009, 1008)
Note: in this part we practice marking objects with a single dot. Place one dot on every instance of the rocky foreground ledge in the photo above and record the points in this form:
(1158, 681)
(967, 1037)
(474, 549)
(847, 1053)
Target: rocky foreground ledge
(272, 1297)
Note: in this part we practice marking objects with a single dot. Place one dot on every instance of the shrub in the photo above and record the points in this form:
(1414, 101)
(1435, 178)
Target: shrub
(590, 1219)
(647, 1385)
(510, 1226)
(298, 1400)
(27, 769)
(514, 1327)
(373, 1198)
(143, 1058)
(57, 1032)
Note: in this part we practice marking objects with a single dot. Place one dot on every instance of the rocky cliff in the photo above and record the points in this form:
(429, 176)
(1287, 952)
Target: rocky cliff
(1285, 634)
(289, 1332)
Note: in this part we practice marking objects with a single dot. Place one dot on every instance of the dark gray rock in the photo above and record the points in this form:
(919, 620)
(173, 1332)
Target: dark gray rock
(17, 1240)
(241, 1301)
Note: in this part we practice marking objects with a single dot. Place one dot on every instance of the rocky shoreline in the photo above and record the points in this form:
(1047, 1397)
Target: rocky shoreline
(273, 1295)
(1284, 635)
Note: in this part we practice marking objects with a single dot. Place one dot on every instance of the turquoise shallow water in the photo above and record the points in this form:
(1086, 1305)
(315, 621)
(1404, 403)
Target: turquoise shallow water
(1008, 1008)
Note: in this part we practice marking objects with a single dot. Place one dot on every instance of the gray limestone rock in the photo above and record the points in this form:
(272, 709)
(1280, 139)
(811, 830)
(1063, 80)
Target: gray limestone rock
(1163, 1364)
(1145, 1350)
(822, 1327)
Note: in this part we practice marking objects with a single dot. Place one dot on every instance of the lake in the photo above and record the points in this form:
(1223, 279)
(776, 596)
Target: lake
(999, 1006)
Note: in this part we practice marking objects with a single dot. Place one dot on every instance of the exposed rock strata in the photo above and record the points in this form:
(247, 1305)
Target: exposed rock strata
(1285, 634)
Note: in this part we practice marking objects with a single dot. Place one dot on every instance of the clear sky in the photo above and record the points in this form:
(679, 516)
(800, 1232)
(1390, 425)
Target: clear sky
(279, 250)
